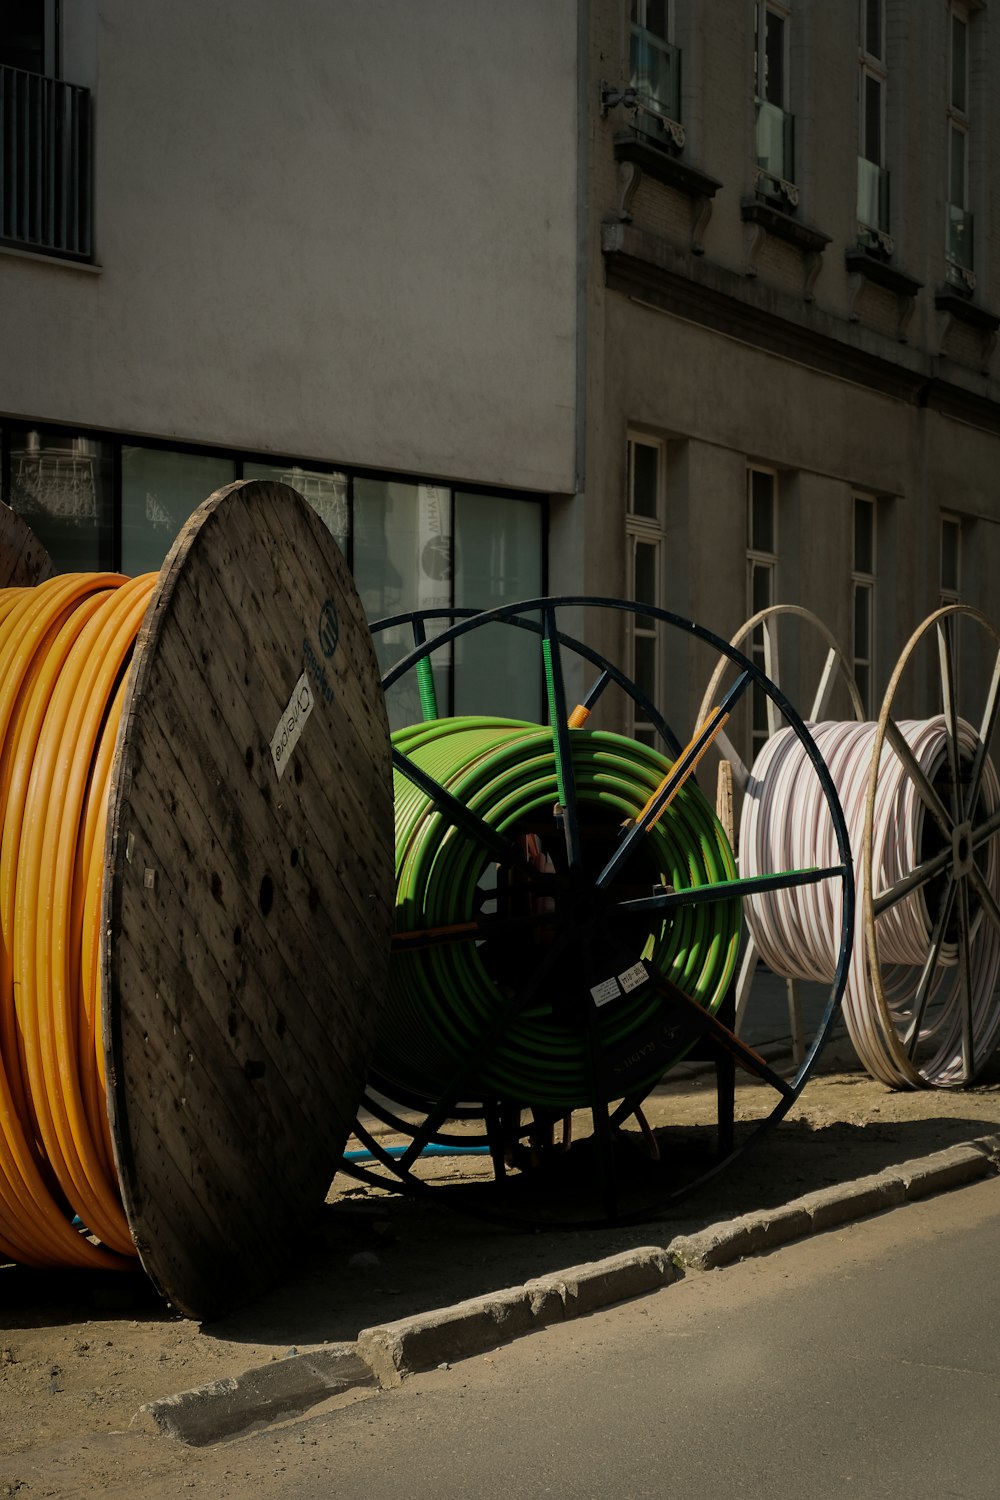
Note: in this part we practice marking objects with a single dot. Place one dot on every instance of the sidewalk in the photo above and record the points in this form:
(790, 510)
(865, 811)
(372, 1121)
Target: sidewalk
(81, 1356)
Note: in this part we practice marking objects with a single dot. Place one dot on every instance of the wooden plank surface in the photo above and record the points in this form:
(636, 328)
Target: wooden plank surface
(247, 916)
(23, 559)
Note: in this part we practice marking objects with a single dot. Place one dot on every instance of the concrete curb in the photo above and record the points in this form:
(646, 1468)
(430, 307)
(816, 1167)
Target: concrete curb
(721, 1244)
(282, 1388)
(385, 1354)
(397, 1349)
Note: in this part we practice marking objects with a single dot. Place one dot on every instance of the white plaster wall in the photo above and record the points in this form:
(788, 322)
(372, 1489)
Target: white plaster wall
(336, 230)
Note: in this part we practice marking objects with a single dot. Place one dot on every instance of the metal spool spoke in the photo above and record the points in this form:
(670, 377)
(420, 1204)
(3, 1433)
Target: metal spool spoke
(725, 890)
(923, 873)
(947, 668)
(825, 687)
(965, 979)
(674, 781)
(479, 930)
(600, 1120)
(925, 790)
(565, 775)
(745, 1055)
(985, 831)
(987, 728)
(912, 1034)
(463, 817)
(585, 707)
(985, 895)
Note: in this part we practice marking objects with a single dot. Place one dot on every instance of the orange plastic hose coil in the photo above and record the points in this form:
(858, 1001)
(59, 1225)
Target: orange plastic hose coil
(65, 648)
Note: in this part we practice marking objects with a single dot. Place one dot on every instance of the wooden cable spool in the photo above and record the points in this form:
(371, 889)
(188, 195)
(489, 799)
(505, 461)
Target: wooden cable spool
(247, 895)
(23, 559)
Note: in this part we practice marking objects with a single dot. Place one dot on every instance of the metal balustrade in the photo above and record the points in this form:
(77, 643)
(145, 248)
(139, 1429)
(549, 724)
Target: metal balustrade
(46, 195)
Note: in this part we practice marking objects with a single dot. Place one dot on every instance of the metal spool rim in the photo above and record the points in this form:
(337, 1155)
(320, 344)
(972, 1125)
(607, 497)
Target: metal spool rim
(546, 608)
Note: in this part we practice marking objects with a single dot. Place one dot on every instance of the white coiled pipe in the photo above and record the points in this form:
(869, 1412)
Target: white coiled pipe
(785, 825)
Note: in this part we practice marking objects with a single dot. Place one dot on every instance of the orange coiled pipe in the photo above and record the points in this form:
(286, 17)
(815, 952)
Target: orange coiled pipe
(65, 648)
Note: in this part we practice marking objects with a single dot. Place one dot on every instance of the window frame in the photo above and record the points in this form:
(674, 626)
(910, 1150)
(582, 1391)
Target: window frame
(644, 530)
(761, 561)
(960, 268)
(950, 593)
(864, 582)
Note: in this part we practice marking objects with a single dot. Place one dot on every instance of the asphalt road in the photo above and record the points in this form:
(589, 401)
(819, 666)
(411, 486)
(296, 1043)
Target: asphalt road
(863, 1362)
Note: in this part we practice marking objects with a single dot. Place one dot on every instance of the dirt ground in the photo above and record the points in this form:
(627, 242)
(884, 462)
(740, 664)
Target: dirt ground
(80, 1355)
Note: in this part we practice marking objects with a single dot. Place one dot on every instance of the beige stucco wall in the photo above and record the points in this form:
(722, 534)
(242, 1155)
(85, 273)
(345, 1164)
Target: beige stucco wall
(333, 231)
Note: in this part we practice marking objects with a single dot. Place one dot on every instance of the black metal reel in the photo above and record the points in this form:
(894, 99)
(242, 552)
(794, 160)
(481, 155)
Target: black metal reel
(553, 934)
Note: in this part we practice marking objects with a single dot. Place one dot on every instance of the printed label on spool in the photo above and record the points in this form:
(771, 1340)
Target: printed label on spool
(291, 724)
(633, 977)
(605, 992)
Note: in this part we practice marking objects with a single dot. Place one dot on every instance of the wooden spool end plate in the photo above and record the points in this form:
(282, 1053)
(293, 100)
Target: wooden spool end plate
(23, 560)
(248, 896)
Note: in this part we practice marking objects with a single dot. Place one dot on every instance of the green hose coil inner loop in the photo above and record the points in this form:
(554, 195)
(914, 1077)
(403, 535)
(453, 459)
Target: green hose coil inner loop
(443, 999)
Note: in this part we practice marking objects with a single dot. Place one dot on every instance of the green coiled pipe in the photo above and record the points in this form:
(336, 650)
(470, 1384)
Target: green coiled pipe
(442, 999)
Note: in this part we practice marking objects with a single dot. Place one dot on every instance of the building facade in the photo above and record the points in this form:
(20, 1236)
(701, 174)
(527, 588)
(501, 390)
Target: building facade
(794, 299)
(689, 303)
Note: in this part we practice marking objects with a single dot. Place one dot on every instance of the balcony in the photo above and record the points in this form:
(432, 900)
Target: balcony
(46, 197)
(655, 68)
(958, 249)
(775, 147)
(873, 207)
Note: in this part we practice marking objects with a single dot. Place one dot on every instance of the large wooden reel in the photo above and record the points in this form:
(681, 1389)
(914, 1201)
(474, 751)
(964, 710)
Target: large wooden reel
(248, 895)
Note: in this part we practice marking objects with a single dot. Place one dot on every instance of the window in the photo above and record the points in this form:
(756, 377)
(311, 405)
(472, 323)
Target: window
(951, 560)
(45, 138)
(762, 570)
(644, 534)
(774, 125)
(959, 228)
(100, 503)
(655, 67)
(160, 489)
(62, 484)
(29, 36)
(863, 590)
(873, 179)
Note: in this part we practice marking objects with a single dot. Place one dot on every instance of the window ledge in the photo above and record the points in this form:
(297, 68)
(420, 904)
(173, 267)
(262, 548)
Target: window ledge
(66, 262)
(784, 226)
(947, 300)
(875, 268)
(660, 163)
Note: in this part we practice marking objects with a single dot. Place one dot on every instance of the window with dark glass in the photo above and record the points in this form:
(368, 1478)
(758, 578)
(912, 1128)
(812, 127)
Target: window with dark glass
(775, 125)
(654, 65)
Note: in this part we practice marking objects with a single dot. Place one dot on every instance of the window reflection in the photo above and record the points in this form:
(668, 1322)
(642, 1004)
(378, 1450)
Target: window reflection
(62, 485)
(160, 489)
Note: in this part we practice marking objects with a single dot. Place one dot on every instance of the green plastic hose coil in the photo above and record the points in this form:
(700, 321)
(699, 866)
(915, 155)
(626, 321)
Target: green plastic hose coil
(444, 999)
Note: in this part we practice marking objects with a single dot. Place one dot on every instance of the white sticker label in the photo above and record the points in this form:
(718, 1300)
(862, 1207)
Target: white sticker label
(602, 993)
(632, 978)
(292, 722)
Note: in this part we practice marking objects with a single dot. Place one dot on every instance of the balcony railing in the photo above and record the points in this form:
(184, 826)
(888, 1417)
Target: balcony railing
(656, 77)
(775, 142)
(46, 197)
